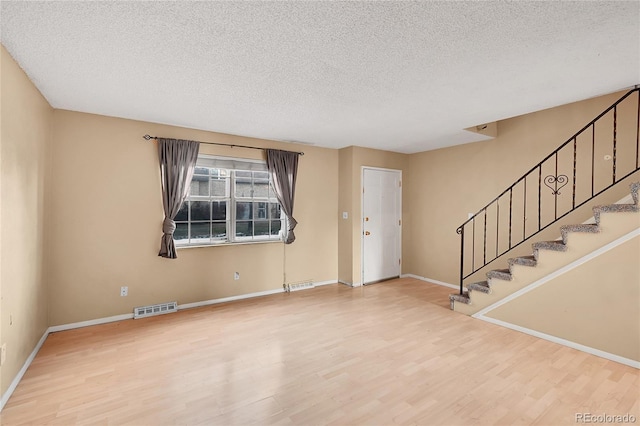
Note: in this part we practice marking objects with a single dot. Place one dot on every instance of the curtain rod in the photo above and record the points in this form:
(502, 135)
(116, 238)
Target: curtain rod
(147, 137)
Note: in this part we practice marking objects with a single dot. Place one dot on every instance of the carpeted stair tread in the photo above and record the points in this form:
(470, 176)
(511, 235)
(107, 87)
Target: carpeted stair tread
(462, 298)
(523, 260)
(481, 286)
(555, 245)
(635, 187)
(500, 274)
(591, 228)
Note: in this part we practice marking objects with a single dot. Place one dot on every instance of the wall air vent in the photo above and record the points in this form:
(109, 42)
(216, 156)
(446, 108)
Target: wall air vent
(303, 285)
(158, 309)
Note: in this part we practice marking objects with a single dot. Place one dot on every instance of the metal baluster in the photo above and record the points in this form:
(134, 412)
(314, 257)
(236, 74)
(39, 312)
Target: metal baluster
(638, 133)
(461, 232)
(615, 147)
(497, 224)
(539, 195)
(524, 216)
(593, 157)
(484, 260)
(555, 194)
(575, 159)
(473, 244)
(510, 208)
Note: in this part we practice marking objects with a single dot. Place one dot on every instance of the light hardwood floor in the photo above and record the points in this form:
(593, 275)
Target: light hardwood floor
(389, 353)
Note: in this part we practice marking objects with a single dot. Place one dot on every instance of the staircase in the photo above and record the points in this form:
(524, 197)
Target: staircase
(611, 222)
(591, 163)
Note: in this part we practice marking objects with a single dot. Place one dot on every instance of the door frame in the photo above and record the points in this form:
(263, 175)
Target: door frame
(362, 169)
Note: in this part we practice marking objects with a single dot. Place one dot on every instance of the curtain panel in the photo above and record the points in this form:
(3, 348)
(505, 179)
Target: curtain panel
(177, 163)
(283, 168)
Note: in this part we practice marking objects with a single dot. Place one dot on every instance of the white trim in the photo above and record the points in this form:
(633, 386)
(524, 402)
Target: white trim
(568, 343)
(430, 280)
(559, 272)
(318, 284)
(345, 283)
(88, 323)
(229, 299)
(27, 363)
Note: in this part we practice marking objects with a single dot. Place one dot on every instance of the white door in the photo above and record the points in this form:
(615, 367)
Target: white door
(381, 224)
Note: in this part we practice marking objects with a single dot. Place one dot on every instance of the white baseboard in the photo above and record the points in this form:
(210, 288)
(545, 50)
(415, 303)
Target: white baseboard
(356, 284)
(27, 363)
(97, 321)
(429, 280)
(318, 284)
(560, 341)
(229, 299)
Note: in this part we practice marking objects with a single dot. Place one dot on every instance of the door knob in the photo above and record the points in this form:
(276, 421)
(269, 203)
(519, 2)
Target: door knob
(367, 233)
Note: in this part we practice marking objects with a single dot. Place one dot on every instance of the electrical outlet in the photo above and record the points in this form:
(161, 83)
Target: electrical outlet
(124, 291)
(3, 353)
(236, 276)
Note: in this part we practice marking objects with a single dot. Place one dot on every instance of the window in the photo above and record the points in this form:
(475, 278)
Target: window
(229, 201)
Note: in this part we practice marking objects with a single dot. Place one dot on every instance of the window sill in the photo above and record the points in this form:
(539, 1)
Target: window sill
(235, 243)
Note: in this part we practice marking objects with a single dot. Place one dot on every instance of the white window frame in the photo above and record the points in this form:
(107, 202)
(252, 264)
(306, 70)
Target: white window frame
(232, 165)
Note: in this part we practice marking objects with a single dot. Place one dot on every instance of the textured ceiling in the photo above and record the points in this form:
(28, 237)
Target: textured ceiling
(401, 76)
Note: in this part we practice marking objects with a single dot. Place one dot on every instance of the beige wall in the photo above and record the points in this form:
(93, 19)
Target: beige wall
(106, 204)
(443, 186)
(345, 226)
(596, 304)
(26, 119)
(352, 160)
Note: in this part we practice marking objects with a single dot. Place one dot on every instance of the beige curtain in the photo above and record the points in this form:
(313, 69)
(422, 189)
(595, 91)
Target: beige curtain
(177, 164)
(283, 168)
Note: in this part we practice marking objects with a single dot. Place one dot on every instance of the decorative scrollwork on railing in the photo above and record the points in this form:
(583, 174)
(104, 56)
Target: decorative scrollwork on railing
(555, 180)
(459, 230)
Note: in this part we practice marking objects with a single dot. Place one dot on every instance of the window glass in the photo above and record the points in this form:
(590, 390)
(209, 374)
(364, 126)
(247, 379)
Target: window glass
(219, 230)
(275, 227)
(243, 210)
(183, 213)
(181, 234)
(244, 229)
(218, 187)
(200, 210)
(219, 209)
(201, 231)
(228, 205)
(199, 185)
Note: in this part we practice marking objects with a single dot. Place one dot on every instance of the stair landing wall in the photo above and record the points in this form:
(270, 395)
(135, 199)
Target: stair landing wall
(596, 304)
